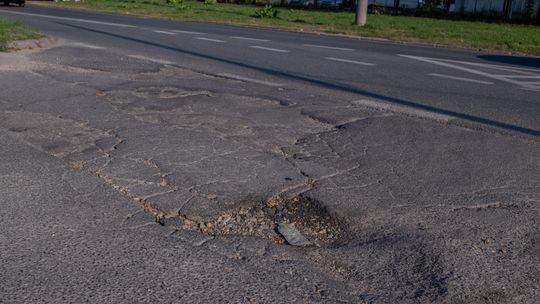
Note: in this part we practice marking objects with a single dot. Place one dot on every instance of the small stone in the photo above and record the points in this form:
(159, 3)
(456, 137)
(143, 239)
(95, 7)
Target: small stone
(292, 235)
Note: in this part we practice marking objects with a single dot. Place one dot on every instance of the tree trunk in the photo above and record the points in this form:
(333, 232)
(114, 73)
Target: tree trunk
(396, 8)
(507, 6)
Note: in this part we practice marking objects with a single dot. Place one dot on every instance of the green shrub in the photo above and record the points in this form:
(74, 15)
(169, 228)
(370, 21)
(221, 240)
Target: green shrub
(210, 2)
(174, 1)
(267, 11)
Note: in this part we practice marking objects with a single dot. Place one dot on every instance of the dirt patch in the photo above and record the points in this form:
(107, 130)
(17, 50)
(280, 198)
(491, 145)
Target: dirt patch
(19, 61)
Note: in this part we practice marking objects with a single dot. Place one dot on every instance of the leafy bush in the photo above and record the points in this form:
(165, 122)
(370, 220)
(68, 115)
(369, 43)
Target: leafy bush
(179, 4)
(267, 11)
(377, 9)
(431, 5)
(210, 2)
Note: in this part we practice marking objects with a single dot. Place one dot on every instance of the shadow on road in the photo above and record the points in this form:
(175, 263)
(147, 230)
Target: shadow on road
(532, 62)
(328, 85)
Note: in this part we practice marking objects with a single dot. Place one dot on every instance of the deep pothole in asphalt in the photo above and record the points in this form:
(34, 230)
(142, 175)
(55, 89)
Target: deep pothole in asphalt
(299, 221)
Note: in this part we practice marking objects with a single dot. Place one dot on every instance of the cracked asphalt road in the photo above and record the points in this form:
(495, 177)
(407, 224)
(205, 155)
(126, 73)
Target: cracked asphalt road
(128, 180)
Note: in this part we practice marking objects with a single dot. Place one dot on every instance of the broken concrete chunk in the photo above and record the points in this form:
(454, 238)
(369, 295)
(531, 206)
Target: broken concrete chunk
(292, 235)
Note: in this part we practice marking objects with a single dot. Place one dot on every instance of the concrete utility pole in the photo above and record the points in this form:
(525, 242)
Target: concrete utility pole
(361, 12)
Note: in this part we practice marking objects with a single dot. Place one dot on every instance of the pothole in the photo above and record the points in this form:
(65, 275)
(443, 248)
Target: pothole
(306, 217)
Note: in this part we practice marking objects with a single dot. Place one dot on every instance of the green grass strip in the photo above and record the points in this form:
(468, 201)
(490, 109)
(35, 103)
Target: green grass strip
(14, 30)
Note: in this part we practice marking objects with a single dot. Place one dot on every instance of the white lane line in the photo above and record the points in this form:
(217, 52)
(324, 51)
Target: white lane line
(403, 110)
(164, 32)
(250, 39)
(464, 69)
(246, 79)
(85, 45)
(141, 57)
(209, 39)
(268, 49)
(350, 61)
(328, 47)
(460, 78)
(70, 19)
(188, 32)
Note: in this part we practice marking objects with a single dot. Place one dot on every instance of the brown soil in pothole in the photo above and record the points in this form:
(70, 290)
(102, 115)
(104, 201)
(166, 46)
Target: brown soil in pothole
(310, 219)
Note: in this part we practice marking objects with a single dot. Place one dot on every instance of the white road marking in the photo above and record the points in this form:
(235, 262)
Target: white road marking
(86, 45)
(209, 39)
(188, 32)
(268, 49)
(70, 19)
(403, 110)
(250, 39)
(246, 79)
(450, 64)
(460, 78)
(328, 47)
(350, 61)
(164, 32)
(151, 59)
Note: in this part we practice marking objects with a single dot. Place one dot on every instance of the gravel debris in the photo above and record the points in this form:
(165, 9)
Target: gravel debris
(298, 221)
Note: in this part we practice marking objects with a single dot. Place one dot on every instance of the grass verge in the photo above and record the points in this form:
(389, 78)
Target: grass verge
(481, 35)
(12, 31)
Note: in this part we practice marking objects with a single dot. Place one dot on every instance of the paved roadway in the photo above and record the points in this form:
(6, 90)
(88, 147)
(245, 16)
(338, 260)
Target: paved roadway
(414, 171)
(490, 89)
